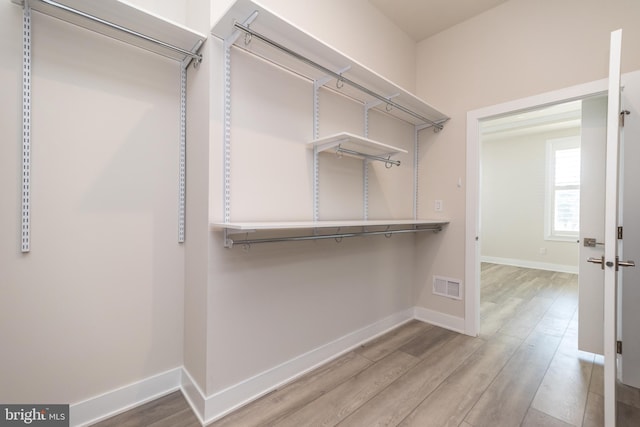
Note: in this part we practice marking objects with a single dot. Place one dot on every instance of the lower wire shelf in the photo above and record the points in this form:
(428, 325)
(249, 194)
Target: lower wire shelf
(318, 230)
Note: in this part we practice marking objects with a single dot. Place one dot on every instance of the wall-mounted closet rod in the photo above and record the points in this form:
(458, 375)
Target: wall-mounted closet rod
(194, 56)
(385, 160)
(337, 76)
(229, 243)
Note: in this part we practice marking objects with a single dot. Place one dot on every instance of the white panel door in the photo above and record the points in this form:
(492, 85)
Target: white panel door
(591, 277)
(598, 313)
(610, 294)
(611, 241)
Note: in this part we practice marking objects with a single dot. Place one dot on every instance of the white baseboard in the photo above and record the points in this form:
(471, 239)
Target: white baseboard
(231, 398)
(217, 405)
(124, 398)
(573, 269)
(437, 318)
(193, 394)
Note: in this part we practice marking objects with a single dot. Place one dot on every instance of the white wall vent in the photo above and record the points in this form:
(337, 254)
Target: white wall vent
(447, 287)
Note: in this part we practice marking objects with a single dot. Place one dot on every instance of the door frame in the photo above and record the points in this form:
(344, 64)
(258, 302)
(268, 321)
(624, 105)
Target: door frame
(472, 226)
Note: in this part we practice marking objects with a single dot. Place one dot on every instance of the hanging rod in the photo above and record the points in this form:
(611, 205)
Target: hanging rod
(229, 243)
(337, 76)
(387, 161)
(188, 54)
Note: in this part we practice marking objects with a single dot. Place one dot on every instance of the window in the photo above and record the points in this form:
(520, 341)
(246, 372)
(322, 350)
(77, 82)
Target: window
(562, 219)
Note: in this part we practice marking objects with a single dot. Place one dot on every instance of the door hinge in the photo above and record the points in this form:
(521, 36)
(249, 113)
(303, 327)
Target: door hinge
(620, 233)
(622, 114)
(619, 347)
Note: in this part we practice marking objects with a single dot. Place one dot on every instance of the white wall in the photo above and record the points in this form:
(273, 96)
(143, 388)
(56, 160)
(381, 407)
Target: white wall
(518, 49)
(97, 303)
(174, 11)
(513, 203)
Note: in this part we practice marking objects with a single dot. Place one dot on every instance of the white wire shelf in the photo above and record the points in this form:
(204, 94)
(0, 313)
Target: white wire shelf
(310, 225)
(272, 231)
(127, 23)
(357, 146)
(278, 41)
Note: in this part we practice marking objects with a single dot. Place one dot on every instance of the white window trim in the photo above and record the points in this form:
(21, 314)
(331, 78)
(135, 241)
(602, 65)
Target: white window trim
(552, 146)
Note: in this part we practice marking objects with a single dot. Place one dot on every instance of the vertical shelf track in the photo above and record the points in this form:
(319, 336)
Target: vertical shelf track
(183, 152)
(416, 166)
(316, 134)
(317, 84)
(365, 168)
(26, 129)
(226, 150)
(226, 146)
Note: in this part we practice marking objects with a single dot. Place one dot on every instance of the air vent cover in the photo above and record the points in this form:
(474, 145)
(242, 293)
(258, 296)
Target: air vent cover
(447, 287)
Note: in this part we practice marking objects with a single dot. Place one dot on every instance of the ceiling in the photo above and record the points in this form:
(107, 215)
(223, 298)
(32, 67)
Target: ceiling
(424, 18)
(555, 117)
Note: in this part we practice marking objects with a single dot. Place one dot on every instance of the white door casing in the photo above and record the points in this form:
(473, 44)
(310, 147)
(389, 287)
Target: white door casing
(473, 232)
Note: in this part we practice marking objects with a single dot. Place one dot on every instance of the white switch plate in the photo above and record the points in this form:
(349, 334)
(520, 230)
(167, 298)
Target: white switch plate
(438, 206)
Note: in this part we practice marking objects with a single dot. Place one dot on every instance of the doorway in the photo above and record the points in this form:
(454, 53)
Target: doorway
(473, 202)
(529, 223)
(631, 82)
(530, 188)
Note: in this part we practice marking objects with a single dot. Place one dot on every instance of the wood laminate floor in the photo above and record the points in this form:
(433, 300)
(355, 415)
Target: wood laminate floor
(523, 370)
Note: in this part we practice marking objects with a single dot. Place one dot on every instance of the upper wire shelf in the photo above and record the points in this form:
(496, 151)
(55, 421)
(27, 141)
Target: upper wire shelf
(278, 41)
(129, 24)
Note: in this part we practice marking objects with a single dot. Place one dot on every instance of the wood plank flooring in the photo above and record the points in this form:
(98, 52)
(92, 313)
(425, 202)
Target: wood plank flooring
(523, 370)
